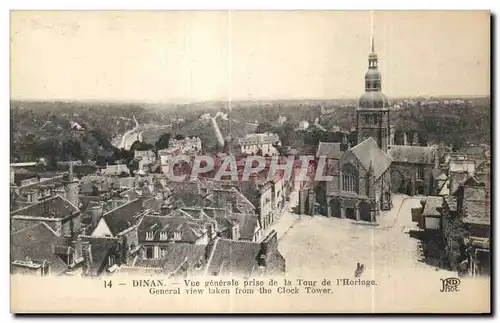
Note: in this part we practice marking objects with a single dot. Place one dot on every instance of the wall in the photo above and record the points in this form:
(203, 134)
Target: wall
(266, 207)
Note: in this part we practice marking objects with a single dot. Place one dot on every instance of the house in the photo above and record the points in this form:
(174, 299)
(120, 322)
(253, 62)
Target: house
(37, 249)
(411, 169)
(179, 260)
(115, 170)
(146, 158)
(259, 144)
(121, 222)
(231, 199)
(156, 232)
(234, 226)
(430, 215)
(466, 217)
(101, 255)
(56, 212)
(245, 259)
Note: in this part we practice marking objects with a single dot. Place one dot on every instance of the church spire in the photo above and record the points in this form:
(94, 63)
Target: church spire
(373, 44)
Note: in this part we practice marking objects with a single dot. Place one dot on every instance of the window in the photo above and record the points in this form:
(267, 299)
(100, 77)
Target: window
(111, 261)
(150, 235)
(163, 236)
(163, 252)
(349, 179)
(149, 252)
(177, 235)
(70, 259)
(420, 172)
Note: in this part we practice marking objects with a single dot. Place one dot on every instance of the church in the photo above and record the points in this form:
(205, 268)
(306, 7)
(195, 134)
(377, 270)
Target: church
(365, 176)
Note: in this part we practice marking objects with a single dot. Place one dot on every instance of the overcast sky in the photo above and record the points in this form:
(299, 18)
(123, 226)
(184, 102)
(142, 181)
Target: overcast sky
(197, 56)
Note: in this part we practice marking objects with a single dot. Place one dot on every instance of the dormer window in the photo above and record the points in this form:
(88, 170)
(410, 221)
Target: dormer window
(177, 235)
(163, 235)
(150, 235)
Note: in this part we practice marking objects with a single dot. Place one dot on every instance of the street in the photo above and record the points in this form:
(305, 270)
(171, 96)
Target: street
(320, 244)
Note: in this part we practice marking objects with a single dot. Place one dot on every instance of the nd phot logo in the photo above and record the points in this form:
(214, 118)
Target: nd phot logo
(450, 285)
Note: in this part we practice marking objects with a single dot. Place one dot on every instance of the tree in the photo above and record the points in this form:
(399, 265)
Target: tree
(162, 142)
(264, 127)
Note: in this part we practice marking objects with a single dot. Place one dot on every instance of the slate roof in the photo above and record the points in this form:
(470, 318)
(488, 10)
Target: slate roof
(476, 205)
(100, 249)
(221, 198)
(35, 242)
(411, 154)
(431, 205)
(329, 149)
(457, 179)
(190, 229)
(177, 254)
(153, 204)
(248, 224)
(451, 201)
(368, 153)
(53, 207)
(123, 217)
(233, 257)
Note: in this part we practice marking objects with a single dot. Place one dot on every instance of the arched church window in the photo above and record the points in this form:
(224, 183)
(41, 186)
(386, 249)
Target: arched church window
(349, 179)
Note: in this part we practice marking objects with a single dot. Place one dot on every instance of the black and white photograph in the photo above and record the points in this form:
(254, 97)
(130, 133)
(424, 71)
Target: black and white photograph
(239, 161)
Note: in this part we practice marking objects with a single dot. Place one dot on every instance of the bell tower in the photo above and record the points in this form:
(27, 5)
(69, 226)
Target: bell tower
(373, 109)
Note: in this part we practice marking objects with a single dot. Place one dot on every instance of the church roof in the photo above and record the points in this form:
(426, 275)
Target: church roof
(369, 154)
(411, 154)
(329, 149)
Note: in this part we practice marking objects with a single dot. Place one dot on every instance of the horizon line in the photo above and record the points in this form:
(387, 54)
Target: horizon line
(184, 102)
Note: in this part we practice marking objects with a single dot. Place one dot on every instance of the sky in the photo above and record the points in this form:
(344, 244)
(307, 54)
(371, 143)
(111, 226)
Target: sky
(240, 55)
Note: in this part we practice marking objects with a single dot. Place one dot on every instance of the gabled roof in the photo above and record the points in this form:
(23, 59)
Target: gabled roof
(233, 257)
(432, 203)
(329, 149)
(248, 224)
(412, 154)
(100, 248)
(190, 229)
(222, 198)
(35, 242)
(53, 207)
(177, 255)
(123, 217)
(153, 204)
(476, 205)
(368, 153)
(457, 179)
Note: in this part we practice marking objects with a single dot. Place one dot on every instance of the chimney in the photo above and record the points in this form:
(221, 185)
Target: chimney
(12, 175)
(78, 247)
(235, 231)
(436, 159)
(267, 247)
(87, 256)
(344, 145)
(96, 214)
(70, 174)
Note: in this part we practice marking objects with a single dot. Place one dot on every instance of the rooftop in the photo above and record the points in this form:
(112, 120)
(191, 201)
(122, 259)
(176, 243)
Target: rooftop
(412, 154)
(369, 154)
(52, 207)
(329, 149)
